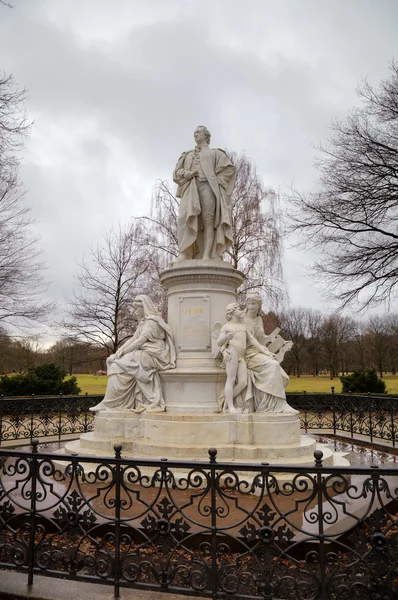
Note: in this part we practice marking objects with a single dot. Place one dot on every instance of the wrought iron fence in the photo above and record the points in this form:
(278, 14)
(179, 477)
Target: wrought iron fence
(374, 417)
(206, 528)
(39, 417)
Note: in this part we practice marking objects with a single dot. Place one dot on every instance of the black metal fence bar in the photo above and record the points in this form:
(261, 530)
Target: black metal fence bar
(372, 417)
(37, 417)
(221, 530)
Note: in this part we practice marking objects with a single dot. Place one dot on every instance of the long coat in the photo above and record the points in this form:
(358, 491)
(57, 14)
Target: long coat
(220, 173)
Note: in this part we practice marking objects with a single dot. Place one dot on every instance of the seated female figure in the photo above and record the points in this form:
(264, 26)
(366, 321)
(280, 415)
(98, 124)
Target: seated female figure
(267, 380)
(133, 371)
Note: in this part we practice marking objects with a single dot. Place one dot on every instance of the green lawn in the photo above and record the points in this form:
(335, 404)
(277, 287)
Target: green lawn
(93, 384)
(323, 383)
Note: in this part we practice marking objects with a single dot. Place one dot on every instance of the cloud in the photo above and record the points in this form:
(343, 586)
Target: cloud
(116, 90)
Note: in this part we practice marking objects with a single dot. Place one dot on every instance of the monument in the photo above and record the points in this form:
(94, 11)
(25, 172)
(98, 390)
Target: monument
(210, 376)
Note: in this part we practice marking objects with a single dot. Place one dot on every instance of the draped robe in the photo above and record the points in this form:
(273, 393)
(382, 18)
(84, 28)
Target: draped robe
(220, 174)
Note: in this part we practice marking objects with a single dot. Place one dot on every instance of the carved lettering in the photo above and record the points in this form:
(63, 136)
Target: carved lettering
(192, 311)
(194, 323)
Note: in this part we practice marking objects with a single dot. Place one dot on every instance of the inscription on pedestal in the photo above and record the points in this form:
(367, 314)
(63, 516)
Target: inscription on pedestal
(194, 323)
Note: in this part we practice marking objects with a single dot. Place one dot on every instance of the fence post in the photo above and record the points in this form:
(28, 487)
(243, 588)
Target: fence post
(351, 420)
(32, 418)
(1, 417)
(318, 455)
(305, 412)
(334, 410)
(214, 574)
(60, 417)
(118, 451)
(370, 408)
(33, 475)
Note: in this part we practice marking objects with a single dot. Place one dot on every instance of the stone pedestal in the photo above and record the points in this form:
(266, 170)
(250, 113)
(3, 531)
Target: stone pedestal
(254, 437)
(198, 292)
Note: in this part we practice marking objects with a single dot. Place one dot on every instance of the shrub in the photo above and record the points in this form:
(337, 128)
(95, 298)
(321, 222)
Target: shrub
(47, 379)
(363, 381)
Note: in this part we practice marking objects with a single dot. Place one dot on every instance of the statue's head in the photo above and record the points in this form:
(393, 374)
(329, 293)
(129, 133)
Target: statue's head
(233, 309)
(138, 306)
(202, 134)
(253, 302)
(144, 307)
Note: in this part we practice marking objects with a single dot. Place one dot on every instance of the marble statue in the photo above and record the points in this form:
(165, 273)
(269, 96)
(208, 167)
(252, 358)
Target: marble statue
(205, 177)
(233, 340)
(266, 378)
(133, 371)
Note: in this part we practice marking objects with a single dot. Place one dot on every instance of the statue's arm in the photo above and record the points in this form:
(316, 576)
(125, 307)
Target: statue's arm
(135, 342)
(258, 346)
(224, 336)
(180, 174)
(260, 333)
(131, 345)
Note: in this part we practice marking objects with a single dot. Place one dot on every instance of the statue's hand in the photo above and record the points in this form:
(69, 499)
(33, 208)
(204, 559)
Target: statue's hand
(227, 355)
(119, 353)
(194, 173)
(188, 175)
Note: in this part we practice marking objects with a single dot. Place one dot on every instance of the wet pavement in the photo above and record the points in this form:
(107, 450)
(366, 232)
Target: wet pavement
(358, 454)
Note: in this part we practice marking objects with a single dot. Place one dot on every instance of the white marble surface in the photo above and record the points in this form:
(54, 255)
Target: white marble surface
(244, 437)
(198, 292)
(205, 178)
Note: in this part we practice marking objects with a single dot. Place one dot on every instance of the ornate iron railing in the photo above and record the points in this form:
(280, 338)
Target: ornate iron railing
(38, 417)
(212, 529)
(372, 417)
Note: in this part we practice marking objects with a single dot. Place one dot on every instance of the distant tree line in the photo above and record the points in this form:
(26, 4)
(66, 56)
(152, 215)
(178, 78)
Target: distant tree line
(323, 344)
(71, 355)
(334, 344)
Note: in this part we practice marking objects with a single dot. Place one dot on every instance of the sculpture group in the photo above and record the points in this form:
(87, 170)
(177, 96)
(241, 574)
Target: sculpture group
(255, 381)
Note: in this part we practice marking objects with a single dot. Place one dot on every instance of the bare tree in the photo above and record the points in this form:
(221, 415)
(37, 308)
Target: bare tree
(295, 328)
(109, 278)
(256, 248)
(361, 346)
(315, 321)
(352, 220)
(337, 331)
(393, 342)
(76, 356)
(379, 338)
(21, 281)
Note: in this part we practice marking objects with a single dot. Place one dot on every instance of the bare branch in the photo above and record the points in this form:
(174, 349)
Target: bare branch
(352, 221)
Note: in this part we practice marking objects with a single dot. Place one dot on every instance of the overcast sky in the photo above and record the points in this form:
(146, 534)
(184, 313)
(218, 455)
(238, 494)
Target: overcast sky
(116, 89)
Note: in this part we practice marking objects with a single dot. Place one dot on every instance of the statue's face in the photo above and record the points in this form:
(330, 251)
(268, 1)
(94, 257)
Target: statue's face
(252, 307)
(199, 135)
(139, 311)
(238, 314)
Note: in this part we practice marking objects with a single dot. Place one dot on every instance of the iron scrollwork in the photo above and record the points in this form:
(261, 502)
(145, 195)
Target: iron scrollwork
(217, 529)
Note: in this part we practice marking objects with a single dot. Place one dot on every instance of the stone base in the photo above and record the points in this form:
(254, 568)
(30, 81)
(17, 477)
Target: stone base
(254, 437)
(192, 391)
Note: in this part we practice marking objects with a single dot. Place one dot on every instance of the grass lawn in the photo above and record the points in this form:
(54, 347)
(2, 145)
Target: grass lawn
(323, 383)
(93, 384)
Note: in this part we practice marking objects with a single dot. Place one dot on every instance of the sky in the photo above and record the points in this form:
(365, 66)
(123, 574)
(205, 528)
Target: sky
(117, 88)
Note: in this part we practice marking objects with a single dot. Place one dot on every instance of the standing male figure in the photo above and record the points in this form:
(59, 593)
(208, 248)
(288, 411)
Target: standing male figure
(205, 178)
